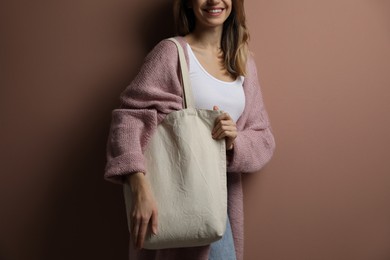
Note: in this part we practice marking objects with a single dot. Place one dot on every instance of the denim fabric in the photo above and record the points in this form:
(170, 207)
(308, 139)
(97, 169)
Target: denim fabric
(223, 249)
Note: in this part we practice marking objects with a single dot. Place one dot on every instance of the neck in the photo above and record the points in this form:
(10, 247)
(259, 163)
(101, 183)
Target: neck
(207, 38)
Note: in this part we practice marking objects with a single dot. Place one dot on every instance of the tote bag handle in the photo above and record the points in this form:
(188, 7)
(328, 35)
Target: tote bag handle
(188, 100)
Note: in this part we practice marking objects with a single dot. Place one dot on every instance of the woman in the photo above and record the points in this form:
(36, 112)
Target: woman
(223, 76)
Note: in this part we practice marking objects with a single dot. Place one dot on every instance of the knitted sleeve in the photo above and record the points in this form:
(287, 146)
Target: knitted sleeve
(255, 144)
(154, 93)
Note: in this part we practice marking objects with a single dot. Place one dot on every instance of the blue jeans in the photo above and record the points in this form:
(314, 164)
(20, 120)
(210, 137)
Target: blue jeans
(223, 249)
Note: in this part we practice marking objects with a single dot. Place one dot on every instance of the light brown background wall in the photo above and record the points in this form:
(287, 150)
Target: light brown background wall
(324, 69)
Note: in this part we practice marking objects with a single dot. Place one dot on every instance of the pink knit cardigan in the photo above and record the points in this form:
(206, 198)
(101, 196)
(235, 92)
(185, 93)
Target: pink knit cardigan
(156, 92)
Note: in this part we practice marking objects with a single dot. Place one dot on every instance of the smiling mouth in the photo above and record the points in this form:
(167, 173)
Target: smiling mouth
(214, 10)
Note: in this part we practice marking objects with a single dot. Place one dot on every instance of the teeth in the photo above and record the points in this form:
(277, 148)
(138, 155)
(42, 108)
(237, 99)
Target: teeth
(215, 10)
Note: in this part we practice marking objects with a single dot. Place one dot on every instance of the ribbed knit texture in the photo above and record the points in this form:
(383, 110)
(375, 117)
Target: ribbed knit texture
(154, 93)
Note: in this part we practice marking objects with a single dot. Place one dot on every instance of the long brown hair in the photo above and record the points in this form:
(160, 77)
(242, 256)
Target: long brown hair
(235, 35)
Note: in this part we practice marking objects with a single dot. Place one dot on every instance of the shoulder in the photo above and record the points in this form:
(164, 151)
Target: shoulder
(166, 50)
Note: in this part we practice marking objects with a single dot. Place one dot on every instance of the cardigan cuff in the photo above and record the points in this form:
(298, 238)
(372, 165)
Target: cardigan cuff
(119, 168)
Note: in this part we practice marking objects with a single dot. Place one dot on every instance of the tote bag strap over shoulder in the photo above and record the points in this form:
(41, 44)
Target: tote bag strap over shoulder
(188, 100)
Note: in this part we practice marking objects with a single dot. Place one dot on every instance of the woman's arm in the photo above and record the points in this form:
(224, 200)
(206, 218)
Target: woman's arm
(144, 208)
(254, 144)
(155, 92)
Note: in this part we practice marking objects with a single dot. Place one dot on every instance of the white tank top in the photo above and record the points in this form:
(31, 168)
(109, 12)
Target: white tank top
(209, 91)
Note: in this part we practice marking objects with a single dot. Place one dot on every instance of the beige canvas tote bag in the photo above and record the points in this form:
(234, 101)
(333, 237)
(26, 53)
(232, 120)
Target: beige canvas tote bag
(186, 169)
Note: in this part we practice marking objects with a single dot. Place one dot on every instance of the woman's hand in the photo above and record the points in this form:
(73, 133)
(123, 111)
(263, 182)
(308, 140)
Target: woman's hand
(225, 128)
(144, 209)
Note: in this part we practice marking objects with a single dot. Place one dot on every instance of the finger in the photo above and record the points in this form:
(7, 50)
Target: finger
(227, 134)
(224, 119)
(215, 108)
(224, 116)
(135, 229)
(225, 122)
(223, 128)
(218, 130)
(222, 123)
(154, 222)
(220, 118)
(142, 233)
